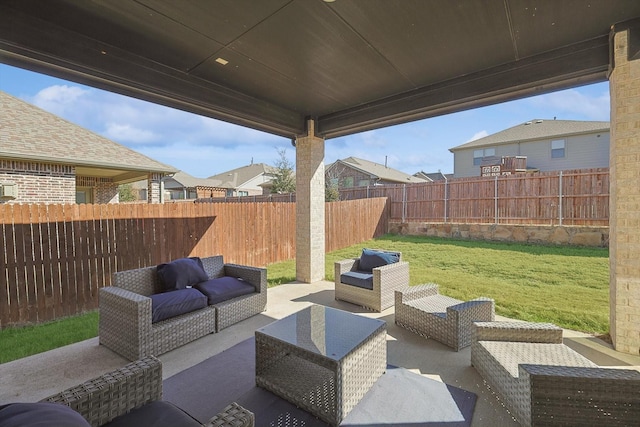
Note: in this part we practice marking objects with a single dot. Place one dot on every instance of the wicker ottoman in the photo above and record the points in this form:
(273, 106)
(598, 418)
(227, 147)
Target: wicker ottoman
(423, 311)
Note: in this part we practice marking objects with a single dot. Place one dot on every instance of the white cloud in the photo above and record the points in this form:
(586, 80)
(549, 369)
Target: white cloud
(478, 135)
(575, 103)
(59, 99)
(127, 133)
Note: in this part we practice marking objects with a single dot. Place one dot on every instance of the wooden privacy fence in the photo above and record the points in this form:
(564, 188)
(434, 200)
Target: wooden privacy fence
(576, 197)
(56, 257)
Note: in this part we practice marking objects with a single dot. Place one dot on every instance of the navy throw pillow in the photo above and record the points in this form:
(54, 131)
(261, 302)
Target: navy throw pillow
(181, 273)
(40, 414)
(371, 259)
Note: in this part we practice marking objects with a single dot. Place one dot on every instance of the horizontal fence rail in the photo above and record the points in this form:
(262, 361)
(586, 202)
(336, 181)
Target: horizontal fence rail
(576, 197)
(56, 257)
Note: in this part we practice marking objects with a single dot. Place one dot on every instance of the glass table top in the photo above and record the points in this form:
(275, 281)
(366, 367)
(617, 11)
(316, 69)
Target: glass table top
(323, 330)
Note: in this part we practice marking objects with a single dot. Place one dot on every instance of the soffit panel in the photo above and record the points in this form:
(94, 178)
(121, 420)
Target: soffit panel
(323, 54)
(430, 43)
(540, 26)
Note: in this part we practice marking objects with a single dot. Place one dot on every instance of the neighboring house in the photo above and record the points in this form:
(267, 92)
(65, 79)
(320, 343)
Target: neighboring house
(183, 186)
(246, 180)
(547, 145)
(433, 176)
(354, 172)
(46, 159)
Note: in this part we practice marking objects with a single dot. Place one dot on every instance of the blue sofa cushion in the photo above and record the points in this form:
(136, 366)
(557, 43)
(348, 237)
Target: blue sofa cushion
(224, 288)
(181, 273)
(40, 414)
(361, 279)
(371, 259)
(175, 303)
(155, 414)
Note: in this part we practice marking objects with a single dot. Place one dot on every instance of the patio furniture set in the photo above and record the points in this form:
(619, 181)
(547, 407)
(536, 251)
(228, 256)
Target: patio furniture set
(312, 360)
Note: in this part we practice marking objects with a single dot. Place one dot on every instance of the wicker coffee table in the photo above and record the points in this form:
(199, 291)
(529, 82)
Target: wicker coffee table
(321, 359)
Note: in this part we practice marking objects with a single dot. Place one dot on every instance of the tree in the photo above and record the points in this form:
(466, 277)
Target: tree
(332, 178)
(284, 180)
(126, 194)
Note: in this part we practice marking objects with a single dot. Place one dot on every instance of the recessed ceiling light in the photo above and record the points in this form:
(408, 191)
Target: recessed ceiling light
(222, 61)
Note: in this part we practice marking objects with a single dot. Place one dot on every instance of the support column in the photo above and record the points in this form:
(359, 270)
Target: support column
(310, 247)
(154, 188)
(624, 206)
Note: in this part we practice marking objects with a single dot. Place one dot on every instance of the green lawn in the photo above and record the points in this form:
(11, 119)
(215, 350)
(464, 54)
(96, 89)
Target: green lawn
(563, 285)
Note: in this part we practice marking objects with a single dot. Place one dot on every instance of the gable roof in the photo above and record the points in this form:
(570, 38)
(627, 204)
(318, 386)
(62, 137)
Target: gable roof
(30, 133)
(433, 176)
(377, 170)
(188, 181)
(536, 129)
(236, 178)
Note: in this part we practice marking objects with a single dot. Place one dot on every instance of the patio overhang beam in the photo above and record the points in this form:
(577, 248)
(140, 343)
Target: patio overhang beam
(575, 65)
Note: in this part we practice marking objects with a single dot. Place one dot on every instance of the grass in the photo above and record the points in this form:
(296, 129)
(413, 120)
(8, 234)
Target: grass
(568, 286)
(16, 343)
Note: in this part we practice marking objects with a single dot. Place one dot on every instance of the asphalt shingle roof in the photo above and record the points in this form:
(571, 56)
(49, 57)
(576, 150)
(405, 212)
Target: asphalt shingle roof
(30, 133)
(189, 181)
(381, 171)
(536, 129)
(235, 178)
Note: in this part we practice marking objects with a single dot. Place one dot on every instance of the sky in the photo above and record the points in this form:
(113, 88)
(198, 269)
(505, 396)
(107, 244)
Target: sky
(202, 147)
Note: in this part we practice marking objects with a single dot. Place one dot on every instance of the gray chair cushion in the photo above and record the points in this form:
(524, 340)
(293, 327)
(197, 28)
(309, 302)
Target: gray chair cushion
(175, 303)
(361, 279)
(224, 288)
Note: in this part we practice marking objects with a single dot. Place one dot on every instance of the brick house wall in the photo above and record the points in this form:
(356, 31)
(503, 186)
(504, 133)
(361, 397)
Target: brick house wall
(104, 190)
(39, 182)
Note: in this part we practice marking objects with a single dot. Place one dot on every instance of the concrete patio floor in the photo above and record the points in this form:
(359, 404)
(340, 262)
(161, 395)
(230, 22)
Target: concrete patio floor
(38, 376)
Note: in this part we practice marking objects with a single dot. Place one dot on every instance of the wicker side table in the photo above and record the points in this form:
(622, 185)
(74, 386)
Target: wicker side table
(422, 310)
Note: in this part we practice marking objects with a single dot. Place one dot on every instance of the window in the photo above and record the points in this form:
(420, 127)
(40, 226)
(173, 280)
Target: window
(557, 149)
(363, 183)
(348, 181)
(84, 195)
(243, 193)
(478, 155)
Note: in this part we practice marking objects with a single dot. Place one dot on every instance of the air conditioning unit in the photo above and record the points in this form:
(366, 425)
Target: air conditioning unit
(8, 190)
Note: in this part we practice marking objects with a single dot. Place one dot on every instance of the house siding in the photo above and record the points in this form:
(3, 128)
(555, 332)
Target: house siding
(344, 173)
(104, 190)
(39, 182)
(581, 151)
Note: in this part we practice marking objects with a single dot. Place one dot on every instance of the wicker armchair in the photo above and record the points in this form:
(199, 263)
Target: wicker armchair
(422, 310)
(116, 393)
(542, 382)
(386, 280)
(125, 310)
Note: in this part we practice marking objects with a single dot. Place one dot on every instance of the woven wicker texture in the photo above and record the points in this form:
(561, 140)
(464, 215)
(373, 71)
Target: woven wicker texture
(125, 310)
(546, 383)
(386, 280)
(422, 310)
(233, 415)
(326, 387)
(116, 393)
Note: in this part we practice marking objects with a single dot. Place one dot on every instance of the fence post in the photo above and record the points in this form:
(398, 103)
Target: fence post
(495, 199)
(560, 199)
(367, 191)
(404, 203)
(446, 196)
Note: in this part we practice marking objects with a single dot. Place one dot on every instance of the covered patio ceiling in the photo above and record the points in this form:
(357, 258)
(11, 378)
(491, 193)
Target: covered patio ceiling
(352, 65)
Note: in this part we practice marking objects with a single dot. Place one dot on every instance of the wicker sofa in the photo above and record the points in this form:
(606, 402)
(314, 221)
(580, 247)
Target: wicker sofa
(121, 392)
(542, 382)
(385, 280)
(422, 310)
(126, 326)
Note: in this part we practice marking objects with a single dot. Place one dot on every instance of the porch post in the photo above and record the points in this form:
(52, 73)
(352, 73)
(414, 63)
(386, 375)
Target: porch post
(310, 231)
(624, 205)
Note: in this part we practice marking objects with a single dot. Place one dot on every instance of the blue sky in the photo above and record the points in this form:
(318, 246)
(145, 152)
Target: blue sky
(203, 147)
